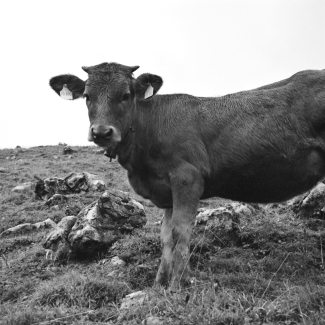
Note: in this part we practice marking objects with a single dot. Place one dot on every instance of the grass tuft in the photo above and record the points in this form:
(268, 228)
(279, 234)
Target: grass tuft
(74, 289)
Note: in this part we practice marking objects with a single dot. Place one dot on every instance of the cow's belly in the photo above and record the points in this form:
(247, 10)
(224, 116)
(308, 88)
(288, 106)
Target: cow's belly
(260, 180)
(157, 190)
(271, 181)
(256, 190)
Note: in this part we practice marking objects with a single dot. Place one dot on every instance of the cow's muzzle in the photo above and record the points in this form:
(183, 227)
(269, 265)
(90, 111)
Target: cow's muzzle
(104, 135)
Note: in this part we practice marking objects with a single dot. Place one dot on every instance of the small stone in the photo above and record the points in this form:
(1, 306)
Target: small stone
(65, 225)
(76, 182)
(152, 320)
(48, 223)
(138, 204)
(56, 199)
(312, 203)
(23, 187)
(22, 228)
(222, 218)
(26, 227)
(39, 189)
(55, 185)
(241, 209)
(116, 261)
(56, 240)
(3, 170)
(47, 275)
(94, 183)
(67, 151)
(98, 185)
(133, 299)
(113, 274)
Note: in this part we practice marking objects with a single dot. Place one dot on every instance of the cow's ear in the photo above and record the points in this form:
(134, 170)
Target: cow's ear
(68, 86)
(147, 85)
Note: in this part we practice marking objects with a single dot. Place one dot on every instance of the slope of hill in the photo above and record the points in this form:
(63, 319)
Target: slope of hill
(270, 271)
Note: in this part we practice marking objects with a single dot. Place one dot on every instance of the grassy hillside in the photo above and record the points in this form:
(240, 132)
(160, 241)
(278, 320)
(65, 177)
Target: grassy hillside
(269, 271)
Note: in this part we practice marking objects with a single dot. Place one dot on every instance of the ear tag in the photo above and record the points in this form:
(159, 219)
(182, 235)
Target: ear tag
(65, 93)
(149, 92)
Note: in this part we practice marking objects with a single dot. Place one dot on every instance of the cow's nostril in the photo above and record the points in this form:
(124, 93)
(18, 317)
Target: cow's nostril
(93, 133)
(109, 133)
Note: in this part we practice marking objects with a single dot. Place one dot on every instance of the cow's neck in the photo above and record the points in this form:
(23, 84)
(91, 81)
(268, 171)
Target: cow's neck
(126, 146)
(130, 145)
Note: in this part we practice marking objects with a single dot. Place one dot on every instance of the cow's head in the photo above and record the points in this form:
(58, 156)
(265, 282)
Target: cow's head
(111, 95)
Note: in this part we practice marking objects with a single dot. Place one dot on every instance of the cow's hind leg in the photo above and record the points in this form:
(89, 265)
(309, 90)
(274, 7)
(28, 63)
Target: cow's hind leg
(176, 230)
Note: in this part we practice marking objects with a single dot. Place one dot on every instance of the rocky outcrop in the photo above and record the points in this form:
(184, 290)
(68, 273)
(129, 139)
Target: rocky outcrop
(221, 226)
(310, 204)
(97, 226)
(57, 239)
(226, 216)
(71, 184)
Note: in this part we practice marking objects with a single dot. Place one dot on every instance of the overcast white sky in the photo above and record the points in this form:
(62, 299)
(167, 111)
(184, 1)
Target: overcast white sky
(204, 48)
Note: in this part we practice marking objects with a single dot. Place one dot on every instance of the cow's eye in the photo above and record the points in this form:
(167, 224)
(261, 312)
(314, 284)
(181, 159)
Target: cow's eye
(86, 96)
(125, 97)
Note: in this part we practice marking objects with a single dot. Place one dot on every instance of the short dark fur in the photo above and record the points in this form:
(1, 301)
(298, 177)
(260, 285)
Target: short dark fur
(262, 145)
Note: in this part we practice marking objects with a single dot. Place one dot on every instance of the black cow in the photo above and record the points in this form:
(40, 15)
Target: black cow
(262, 145)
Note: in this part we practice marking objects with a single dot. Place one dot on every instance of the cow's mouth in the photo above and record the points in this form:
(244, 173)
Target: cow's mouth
(110, 149)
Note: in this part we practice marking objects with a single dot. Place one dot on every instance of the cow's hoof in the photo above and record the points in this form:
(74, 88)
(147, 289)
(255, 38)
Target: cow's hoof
(162, 279)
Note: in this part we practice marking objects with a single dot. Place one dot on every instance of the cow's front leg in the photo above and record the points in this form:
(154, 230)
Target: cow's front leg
(177, 227)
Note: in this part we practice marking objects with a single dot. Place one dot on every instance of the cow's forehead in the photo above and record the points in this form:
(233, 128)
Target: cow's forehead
(108, 68)
(108, 80)
(106, 75)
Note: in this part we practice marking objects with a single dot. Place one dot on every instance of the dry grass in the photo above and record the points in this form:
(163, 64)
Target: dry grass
(269, 271)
